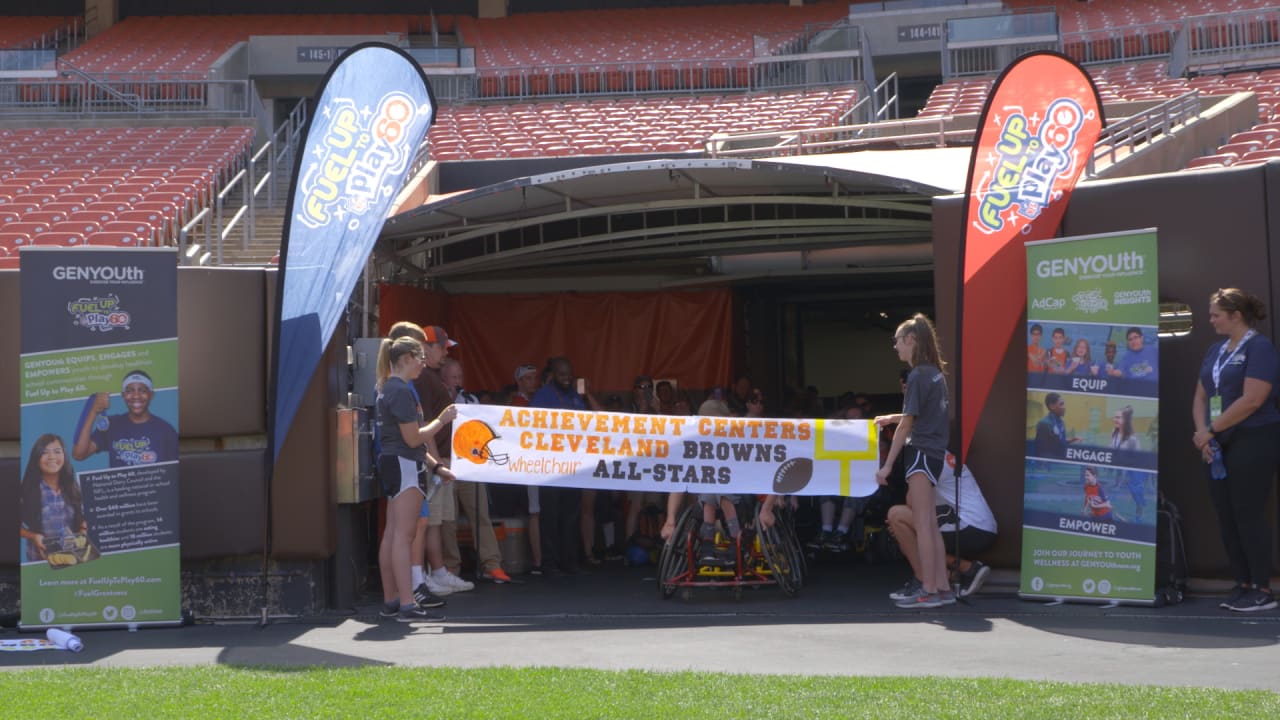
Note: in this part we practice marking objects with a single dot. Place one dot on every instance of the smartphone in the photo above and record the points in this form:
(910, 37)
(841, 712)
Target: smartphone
(582, 386)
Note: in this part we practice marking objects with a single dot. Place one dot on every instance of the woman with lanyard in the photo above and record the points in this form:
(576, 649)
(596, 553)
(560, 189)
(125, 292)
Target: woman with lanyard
(1236, 421)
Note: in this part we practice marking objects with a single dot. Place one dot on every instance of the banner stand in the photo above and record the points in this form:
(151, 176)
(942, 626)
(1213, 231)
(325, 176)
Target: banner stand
(1092, 439)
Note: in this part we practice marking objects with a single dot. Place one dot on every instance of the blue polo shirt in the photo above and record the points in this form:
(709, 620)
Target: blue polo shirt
(1255, 359)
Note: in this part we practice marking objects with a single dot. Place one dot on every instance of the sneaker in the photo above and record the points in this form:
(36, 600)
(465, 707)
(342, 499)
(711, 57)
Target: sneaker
(535, 569)
(416, 615)
(923, 600)
(910, 589)
(496, 575)
(457, 583)
(836, 542)
(819, 541)
(436, 587)
(707, 553)
(387, 612)
(1233, 597)
(972, 580)
(947, 597)
(425, 598)
(1254, 600)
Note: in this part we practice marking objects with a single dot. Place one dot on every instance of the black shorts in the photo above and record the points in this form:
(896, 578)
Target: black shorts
(972, 541)
(917, 462)
(399, 474)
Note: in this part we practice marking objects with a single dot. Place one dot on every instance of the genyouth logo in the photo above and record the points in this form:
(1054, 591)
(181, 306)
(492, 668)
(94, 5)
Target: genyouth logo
(98, 274)
(99, 314)
(1027, 161)
(355, 155)
(1090, 266)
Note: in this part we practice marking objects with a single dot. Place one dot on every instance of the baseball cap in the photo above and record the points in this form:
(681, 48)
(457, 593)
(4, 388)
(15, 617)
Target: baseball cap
(525, 369)
(436, 334)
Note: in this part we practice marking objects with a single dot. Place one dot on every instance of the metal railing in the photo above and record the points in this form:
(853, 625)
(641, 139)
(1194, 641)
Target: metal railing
(75, 93)
(916, 132)
(1124, 137)
(1126, 43)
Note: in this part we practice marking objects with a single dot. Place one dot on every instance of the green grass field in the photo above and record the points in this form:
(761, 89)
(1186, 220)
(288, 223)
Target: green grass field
(365, 693)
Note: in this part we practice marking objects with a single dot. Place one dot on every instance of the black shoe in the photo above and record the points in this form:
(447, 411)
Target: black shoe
(1233, 597)
(972, 580)
(1254, 600)
(417, 615)
(425, 598)
(388, 612)
(535, 569)
(836, 542)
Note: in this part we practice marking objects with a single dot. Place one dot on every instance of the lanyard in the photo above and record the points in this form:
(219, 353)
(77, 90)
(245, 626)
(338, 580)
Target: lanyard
(1220, 363)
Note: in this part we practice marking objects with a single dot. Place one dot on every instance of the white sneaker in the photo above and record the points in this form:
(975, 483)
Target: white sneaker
(457, 583)
(437, 587)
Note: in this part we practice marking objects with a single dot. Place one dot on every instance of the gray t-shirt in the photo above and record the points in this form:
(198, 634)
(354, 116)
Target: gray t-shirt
(398, 403)
(926, 401)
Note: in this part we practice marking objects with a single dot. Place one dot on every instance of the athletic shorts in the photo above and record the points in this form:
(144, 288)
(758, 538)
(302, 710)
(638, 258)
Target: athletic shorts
(400, 474)
(972, 541)
(917, 462)
(715, 499)
(534, 506)
(442, 508)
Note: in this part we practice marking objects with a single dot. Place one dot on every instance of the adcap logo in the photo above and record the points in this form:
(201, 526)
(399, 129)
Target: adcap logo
(1048, 303)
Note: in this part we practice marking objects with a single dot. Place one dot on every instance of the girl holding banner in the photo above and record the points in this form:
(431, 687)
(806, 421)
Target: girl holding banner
(1236, 421)
(922, 431)
(403, 466)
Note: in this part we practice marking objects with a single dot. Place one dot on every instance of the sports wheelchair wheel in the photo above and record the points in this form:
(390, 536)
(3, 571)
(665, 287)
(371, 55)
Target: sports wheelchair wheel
(786, 523)
(776, 546)
(673, 563)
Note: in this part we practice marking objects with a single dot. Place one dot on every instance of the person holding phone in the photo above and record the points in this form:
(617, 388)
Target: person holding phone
(561, 507)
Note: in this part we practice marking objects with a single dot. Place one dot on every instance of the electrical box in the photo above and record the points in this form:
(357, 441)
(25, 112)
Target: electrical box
(364, 376)
(353, 453)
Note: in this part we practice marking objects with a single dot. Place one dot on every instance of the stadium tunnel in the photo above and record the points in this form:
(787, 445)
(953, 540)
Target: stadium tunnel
(823, 255)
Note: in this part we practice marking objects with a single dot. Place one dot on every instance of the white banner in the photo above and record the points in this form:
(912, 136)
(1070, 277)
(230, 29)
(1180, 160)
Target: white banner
(664, 453)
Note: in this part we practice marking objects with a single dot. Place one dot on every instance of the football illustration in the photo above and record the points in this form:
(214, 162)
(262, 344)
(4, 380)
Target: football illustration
(793, 475)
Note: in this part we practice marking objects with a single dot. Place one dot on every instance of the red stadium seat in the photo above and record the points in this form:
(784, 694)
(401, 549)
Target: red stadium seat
(117, 239)
(58, 238)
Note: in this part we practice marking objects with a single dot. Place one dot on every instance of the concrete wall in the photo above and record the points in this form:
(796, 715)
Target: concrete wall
(297, 55)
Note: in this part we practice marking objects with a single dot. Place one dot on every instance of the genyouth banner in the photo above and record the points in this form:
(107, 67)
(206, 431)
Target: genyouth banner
(99, 393)
(1093, 369)
(371, 116)
(664, 453)
(1035, 137)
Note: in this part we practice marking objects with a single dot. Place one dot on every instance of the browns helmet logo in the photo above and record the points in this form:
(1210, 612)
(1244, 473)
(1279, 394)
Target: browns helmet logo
(471, 442)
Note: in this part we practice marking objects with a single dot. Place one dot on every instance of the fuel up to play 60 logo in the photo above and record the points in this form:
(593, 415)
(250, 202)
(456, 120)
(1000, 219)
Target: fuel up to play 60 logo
(354, 150)
(1032, 152)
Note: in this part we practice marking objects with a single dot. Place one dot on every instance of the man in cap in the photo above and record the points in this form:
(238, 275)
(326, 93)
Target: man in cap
(441, 505)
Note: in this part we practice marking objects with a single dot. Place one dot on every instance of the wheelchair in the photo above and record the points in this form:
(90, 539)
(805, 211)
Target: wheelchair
(760, 556)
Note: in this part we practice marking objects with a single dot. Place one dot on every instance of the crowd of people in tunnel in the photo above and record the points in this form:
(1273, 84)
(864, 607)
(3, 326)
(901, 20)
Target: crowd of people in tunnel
(569, 529)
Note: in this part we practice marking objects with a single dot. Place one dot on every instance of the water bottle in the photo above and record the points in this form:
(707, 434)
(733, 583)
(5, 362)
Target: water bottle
(64, 640)
(1217, 470)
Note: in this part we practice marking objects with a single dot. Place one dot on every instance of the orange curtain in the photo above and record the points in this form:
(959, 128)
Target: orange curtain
(609, 337)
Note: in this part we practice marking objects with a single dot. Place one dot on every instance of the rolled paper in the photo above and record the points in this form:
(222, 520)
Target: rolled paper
(64, 640)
